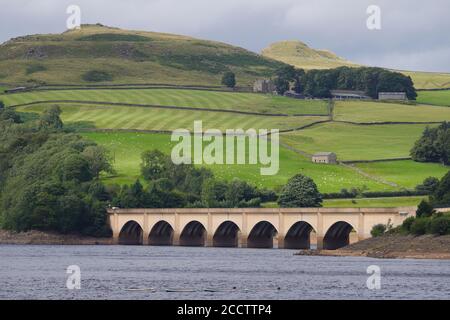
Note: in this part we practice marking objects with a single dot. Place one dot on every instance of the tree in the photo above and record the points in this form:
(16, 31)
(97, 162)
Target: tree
(281, 85)
(98, 160)
(229, 79)
(441, 196)
(286, 72)
(440, 225)
(284, 76)
(213, 193)
(300, 191)
(8, 114)
(154, 164)
(433, 146)
(424, 209)
(2, 105)
(75, 167)
(429, 185)
(50, 118)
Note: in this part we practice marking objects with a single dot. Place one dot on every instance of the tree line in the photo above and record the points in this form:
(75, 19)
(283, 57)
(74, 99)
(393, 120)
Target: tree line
(319, 83)
(184, 185)
(49, 177)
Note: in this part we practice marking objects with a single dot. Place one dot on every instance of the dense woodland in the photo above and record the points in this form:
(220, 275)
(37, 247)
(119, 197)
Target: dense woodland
(319, 83)
(49, 177)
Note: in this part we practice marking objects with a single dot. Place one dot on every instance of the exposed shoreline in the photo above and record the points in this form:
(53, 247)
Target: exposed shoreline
(392, 247)
(385, 247)
(49, 238)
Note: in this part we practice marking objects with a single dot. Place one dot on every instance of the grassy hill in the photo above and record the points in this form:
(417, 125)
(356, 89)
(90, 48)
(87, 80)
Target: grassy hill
(297, 53)
(124, 56)
(300, 55)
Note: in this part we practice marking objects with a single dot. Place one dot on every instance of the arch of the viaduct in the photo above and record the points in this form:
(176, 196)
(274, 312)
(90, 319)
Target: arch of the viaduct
(294, 228)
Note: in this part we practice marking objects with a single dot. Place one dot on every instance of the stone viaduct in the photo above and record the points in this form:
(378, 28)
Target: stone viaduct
(290, 228)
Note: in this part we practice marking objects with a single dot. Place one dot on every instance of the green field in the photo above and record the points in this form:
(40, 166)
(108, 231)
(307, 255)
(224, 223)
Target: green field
(439, 98)
(373, 202)
(367, 111)
(126, 149)
(250, 102)
(429, 80)
(406, 174)
(356, 142)
(142, 118)
(350, 142)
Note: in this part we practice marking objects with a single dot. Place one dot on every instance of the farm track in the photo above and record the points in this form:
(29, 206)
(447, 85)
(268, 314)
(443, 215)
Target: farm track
(369, 176)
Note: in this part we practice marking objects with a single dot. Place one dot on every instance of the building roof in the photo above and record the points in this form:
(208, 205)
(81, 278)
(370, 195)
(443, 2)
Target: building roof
(319, 154)
(347, 92)
(399, 93)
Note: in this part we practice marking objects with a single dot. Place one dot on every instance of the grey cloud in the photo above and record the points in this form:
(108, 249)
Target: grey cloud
(414, 33)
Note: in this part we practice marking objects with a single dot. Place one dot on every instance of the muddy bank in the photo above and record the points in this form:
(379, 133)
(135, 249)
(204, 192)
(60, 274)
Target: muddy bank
(393, 247)
(38, 237)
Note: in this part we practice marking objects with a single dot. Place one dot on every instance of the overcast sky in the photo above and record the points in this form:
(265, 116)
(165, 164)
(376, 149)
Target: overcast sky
(415, 34)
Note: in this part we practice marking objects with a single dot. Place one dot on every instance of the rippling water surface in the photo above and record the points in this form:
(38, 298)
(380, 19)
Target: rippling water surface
(109, 272)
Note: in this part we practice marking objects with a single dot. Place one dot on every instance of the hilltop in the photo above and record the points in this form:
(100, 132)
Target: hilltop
(98, 54)
(120, 56)
(299, 54)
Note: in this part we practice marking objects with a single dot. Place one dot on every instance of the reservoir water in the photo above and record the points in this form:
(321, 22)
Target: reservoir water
(145, 272)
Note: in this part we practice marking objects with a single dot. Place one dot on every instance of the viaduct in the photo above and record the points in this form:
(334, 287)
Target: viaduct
(290, 228)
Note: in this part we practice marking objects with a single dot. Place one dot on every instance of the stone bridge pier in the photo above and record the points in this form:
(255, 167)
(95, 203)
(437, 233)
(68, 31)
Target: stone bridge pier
(290, 228)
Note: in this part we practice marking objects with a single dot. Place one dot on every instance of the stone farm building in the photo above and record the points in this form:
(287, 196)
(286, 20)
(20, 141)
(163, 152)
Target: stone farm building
(264, 86)
(324, 157)
(392, 96)
(348, 95)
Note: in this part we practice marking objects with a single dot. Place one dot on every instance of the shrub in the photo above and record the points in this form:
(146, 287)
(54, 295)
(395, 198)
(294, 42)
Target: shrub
(439, 225)
(425, 209)
(441, 196)
(97, 76)
(406, 225)
(378, 230)
(419, 226)
(229, 79)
